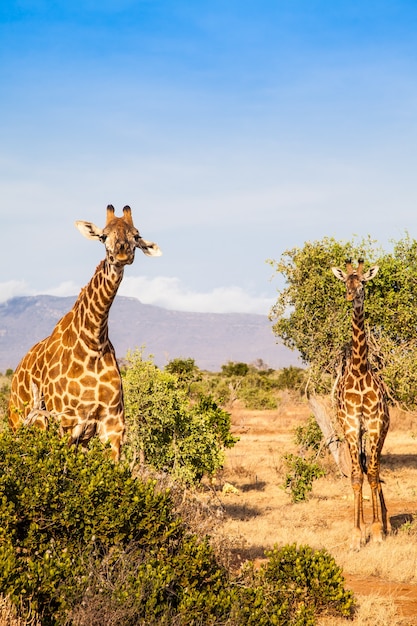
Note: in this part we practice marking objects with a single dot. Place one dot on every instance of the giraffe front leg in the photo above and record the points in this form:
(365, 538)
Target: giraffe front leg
(112, 431)
(377, 531)
(358, 534)
(380, 521)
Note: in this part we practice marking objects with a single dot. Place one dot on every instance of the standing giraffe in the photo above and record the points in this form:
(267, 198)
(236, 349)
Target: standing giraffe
(73, 375)
(362, 407)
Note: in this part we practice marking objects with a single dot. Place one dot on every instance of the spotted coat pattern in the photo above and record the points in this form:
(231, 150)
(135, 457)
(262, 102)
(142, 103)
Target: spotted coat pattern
(73, 375)
(362, 410)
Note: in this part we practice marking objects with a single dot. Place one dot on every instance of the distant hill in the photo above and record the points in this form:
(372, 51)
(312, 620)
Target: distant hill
(211, 339)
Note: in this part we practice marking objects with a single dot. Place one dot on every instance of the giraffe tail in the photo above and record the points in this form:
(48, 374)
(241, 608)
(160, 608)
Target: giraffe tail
(363, 462)
(362, 457)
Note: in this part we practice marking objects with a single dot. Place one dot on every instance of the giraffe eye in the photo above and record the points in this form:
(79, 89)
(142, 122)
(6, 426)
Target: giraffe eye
(137, 237)
(103, 238)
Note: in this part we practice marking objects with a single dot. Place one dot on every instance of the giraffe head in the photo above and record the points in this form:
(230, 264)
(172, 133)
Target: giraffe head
(120, 237)
(355, 279)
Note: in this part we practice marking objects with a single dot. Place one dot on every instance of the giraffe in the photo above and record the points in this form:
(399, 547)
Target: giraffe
(362, 408)
(73, 375)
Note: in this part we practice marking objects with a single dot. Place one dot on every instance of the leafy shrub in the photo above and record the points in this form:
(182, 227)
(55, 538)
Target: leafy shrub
(254, 385)
(312, 575)
(187, 374)
(235, 369)
(4, 397)
(300, 475)
(291, 378)
(68, 518)
(292, 588)
(303, 469)
(309, 435)
(84, 543)
(166, 429)
(257, 391)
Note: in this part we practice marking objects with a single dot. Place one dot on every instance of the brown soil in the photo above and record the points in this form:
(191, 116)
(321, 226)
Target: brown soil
(259, 513)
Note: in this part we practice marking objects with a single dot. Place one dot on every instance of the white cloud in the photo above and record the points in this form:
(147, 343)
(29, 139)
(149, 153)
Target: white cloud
(163, 291)
(13, 288)
(169, 293)
(67, 288)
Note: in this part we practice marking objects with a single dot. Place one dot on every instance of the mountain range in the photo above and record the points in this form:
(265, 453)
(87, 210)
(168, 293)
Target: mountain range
(211, 339)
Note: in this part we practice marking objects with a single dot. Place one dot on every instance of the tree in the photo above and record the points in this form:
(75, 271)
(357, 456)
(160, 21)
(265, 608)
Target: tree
(312, 315)
(235, 369)
(184, 369)
(187, 373)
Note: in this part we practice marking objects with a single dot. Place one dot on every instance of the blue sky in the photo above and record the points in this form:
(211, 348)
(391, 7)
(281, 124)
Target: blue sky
(234, 129)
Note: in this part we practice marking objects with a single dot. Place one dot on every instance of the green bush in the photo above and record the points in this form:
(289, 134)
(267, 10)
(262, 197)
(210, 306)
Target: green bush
(300, 475)
(235, 369)
(167, 430)
(187, 374)
(292, 588)
(291, 378)
(83, 542)
(257, 391)
(68, 518)
(309, 435)
(4, 398)
(254, 385)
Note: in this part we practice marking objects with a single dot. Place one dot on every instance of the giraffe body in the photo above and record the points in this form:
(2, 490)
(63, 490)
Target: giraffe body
(73, 375)
(362, 410)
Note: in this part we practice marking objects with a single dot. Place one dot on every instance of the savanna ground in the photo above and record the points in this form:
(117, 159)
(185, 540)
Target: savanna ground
(260, 512)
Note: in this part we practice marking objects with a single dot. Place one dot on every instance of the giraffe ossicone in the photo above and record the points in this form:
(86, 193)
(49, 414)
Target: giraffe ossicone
(362, 409)
(72, 376)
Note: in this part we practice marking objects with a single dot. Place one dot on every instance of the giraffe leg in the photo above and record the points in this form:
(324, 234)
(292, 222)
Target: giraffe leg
(358, 534)
(116, 444)
(380, 524)
(38, 415)
(377, 525)
(358, 522)
(77, 433)
(112, 432)
(386, 524)
(380, 521)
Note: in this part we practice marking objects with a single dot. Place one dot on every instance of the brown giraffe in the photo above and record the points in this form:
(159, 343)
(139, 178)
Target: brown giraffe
(73, 375)
(362, 408)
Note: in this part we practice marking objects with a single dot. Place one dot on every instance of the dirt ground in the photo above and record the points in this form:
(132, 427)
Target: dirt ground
(259, 512)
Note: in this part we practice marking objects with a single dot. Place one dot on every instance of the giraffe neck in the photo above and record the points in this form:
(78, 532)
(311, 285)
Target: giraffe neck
(359, 354)
(91, 311)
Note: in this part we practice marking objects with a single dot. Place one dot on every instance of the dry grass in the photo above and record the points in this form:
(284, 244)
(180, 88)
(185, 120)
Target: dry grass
(9, 617)
(373, 610)
(383, 577)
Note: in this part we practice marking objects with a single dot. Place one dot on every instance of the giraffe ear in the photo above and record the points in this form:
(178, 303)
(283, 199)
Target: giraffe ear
(340, 274)
(89, 230)
(148, 247)
(370, 273)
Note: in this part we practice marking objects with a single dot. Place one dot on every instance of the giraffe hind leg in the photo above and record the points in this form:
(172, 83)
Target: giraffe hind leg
(380, 525)
(380, 522)
(386, 524)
